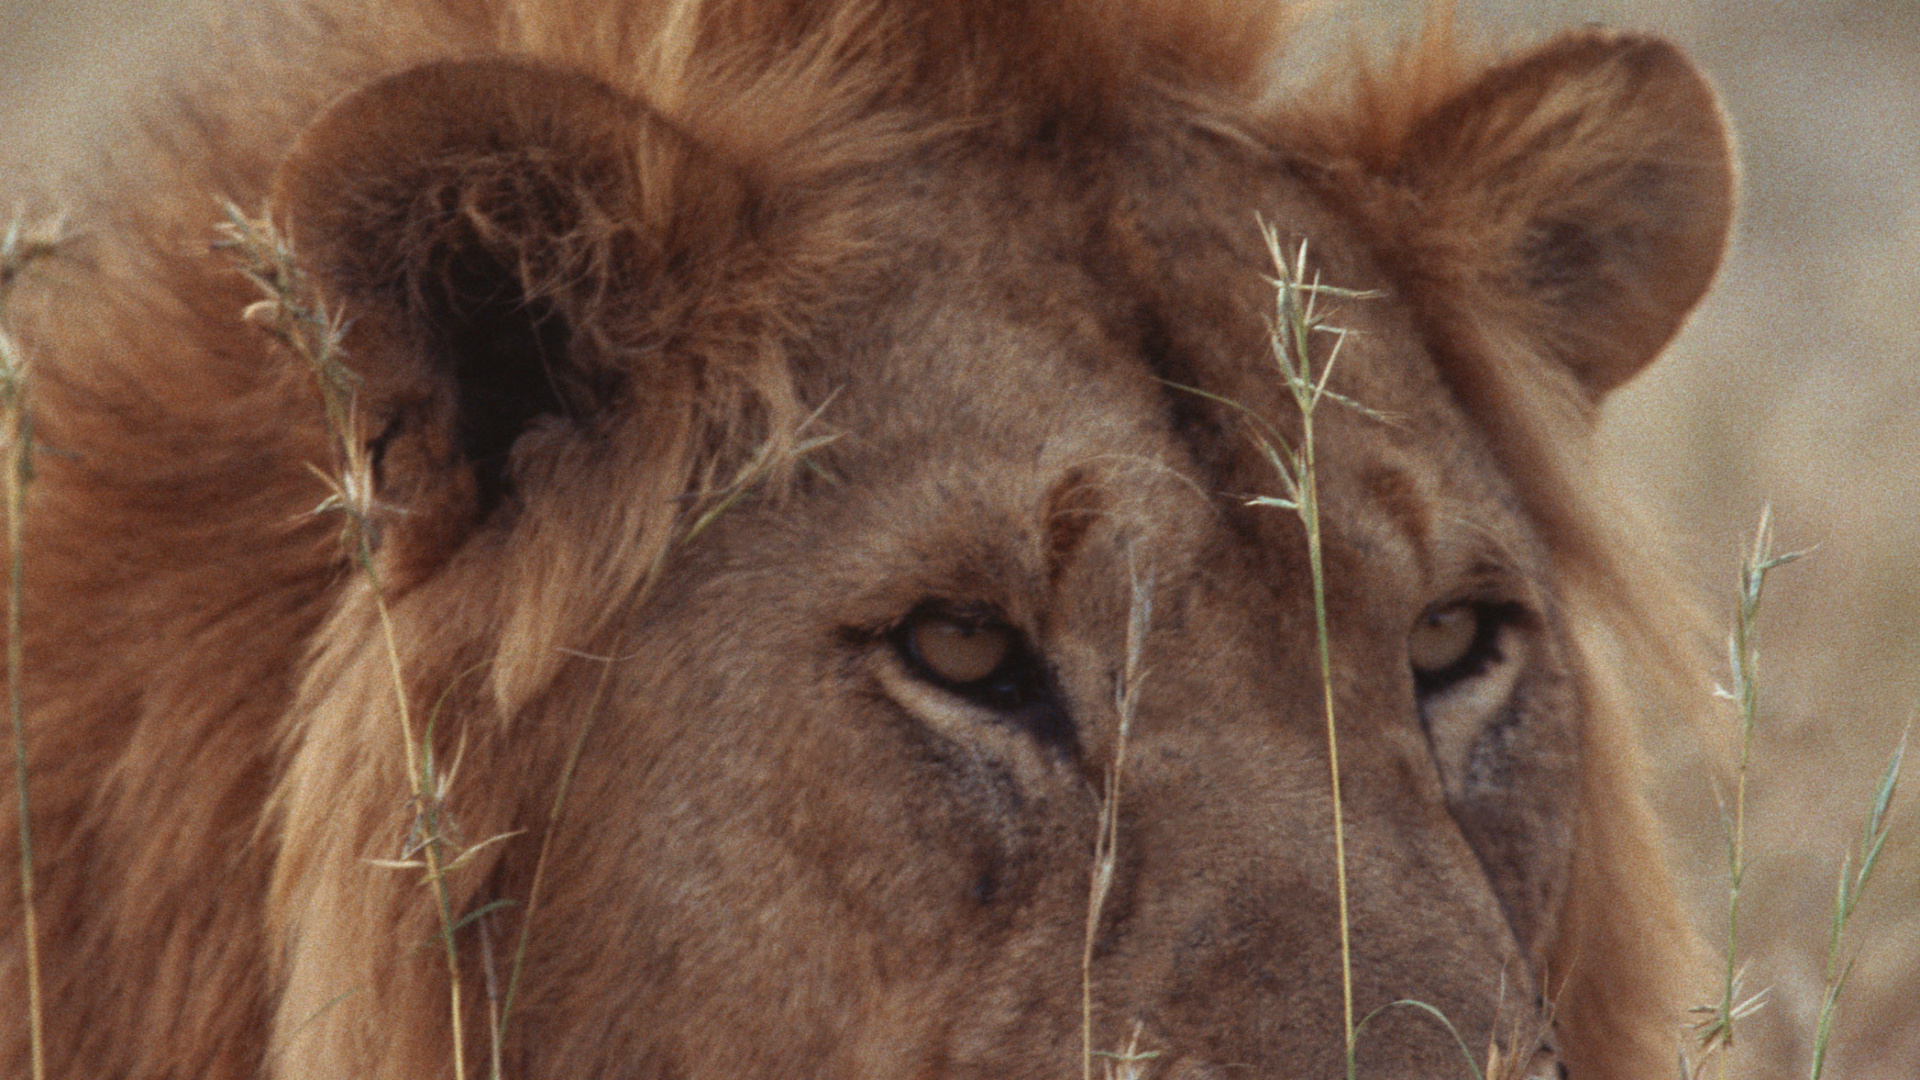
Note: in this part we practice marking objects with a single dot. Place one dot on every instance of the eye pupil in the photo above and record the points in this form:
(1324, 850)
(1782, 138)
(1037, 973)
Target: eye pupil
(1442, 638)
(958, 652)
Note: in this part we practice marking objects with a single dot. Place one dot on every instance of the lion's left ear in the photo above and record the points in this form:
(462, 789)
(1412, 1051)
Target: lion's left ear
(510, 244)
(1580, 196)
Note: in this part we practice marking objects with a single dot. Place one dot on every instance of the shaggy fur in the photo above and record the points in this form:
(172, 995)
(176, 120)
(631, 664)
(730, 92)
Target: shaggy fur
(600, 261)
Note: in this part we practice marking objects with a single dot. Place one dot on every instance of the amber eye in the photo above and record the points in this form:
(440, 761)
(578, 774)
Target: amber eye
(1443, 639)
(972, 653)
(958, 652)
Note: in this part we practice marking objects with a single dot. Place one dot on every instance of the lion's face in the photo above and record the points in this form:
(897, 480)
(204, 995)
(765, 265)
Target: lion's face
(849, 743)
(870, 744)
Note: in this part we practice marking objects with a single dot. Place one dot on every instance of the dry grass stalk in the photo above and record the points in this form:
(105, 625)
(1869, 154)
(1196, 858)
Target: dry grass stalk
(1851, 886)
(294, 313)
(21, 246)
(503, 1012)
(1297, 319)
(1126, 695)
(1714, 1033)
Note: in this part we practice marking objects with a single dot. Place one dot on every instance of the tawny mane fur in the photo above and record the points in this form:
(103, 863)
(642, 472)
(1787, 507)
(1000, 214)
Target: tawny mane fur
(716, 359)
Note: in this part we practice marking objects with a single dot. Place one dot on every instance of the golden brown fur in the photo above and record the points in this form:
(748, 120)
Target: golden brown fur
(600, 258)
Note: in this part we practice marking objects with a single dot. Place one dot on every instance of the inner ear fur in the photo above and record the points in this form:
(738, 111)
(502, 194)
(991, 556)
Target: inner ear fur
(1580, 197)
(505, 240)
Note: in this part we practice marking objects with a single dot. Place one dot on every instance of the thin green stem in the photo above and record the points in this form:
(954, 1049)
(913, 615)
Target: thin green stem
(427, 801)
(1297, 320)
(1853, 885)
(18, 249)
(1715, 1033)
(554, 813)
(1310, 516)
(293, 312)
(1126, 695)
(1466, 1054)
(17, 467)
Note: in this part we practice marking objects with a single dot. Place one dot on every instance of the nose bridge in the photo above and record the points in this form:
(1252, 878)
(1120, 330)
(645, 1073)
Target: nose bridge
(1227, 936)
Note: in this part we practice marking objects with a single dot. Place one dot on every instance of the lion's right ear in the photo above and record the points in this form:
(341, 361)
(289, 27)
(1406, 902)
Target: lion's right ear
(507, 242)
(1577, 199)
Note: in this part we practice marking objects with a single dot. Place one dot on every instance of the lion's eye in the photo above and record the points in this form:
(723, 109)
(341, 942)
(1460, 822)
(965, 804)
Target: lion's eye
(973, 654)
(1441, 638)
(958, 652)
(1453, 642)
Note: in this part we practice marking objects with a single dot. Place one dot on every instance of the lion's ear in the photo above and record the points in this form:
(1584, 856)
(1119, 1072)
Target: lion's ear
(506, 242)
(1581, 195)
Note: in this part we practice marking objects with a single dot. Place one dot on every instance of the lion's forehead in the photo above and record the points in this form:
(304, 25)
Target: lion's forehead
(1005, 363)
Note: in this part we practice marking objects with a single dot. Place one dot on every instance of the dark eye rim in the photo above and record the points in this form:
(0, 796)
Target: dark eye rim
(1022, 692)
(1492, 620)
(1018, 680)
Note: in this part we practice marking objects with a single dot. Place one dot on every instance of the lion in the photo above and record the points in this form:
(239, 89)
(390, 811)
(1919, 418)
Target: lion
(817, 602)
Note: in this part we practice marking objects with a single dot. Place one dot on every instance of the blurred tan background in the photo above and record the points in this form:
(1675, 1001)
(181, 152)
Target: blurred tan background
(1796, 384)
